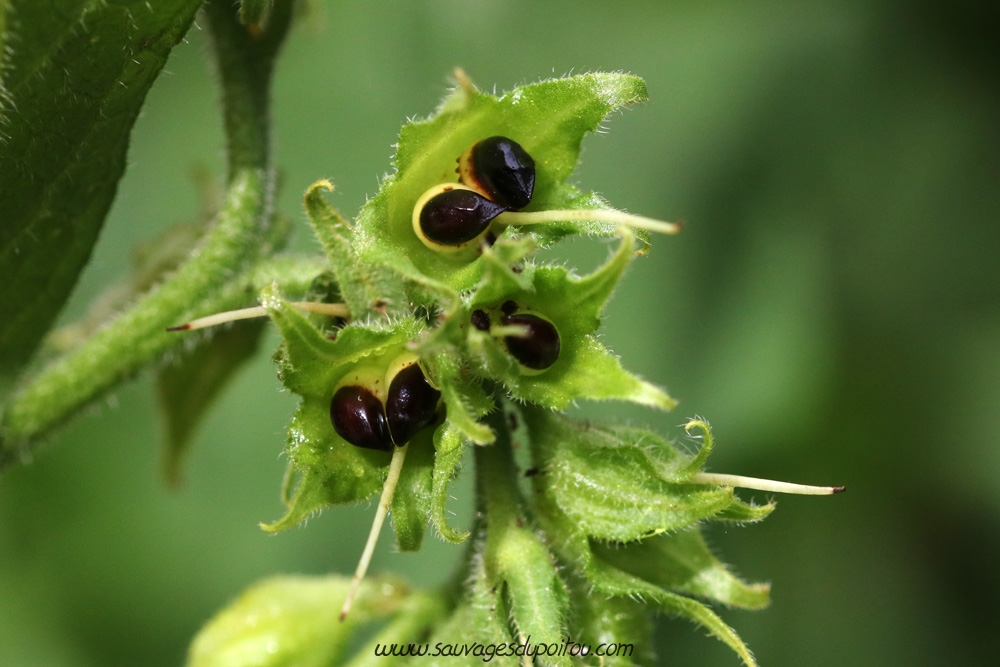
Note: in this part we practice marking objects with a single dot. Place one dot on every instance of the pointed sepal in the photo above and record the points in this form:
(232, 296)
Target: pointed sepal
(330, 470)
(584, 367)
(549, 119)
(364, 286)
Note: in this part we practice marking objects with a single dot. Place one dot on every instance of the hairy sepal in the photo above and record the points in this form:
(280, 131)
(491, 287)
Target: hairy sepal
(585, 368)
(682, 562)
(587, 486)
(364, 286)
(549, 119)
(331, 470)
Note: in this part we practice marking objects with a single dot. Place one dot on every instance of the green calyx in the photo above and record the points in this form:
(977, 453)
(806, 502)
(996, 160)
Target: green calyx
(549, 119)
(471, 368)
(617, 506)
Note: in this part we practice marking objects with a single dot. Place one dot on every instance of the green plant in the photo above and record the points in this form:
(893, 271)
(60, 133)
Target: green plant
(608, 509)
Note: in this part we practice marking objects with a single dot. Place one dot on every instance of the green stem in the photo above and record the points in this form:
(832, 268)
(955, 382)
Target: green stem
(245, 62)
(496, 481)
(242, 233)
(515, 560)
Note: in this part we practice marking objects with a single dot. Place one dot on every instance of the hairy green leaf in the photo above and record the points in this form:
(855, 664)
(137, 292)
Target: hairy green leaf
(229, 258)
(74, 76)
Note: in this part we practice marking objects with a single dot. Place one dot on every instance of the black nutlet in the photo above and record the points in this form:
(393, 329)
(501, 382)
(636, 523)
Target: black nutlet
(411, 404)
(536, 349)
(480, 319)
(457, 216)
(503, 170)
(358, 417)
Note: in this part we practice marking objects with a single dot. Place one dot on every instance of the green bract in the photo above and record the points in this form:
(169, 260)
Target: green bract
(311, 365)
(609, 496)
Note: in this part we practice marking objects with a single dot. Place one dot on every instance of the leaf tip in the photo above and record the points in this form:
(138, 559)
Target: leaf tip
(323, 184)
(271, 299)
(620, 89)
(697, 423)
(271, 528)
(464, 82)
(651, 395)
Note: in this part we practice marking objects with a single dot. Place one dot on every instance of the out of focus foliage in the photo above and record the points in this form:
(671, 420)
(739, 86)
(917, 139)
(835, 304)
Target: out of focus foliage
(832, 305)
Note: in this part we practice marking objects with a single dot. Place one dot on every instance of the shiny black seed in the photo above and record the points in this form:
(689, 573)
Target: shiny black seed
(457, 216)
(358, 417)
(481, 320)
(505, 171)
(508, 308)
(411, 404)
(538, 348)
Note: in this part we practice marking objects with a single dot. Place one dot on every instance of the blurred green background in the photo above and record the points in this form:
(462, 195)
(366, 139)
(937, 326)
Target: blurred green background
(831, 307)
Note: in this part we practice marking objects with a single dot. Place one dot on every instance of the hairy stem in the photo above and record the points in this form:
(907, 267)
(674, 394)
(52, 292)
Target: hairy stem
(515, 560)
(496, 482)
(241, 234)
(245, 61)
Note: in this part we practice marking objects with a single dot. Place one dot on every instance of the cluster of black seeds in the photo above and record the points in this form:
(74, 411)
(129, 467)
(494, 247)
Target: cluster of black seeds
(361, 419)
(537, 348)
(496, 175)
